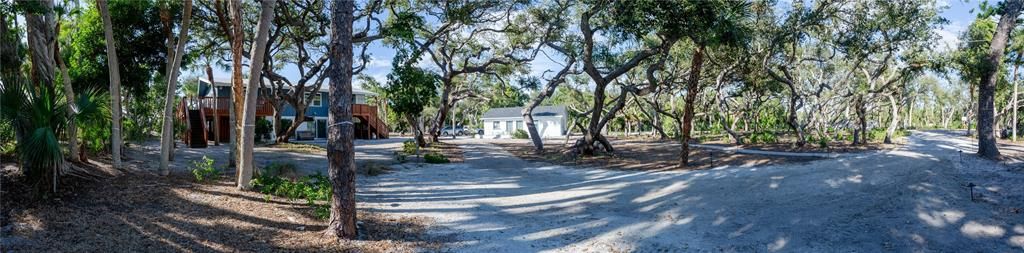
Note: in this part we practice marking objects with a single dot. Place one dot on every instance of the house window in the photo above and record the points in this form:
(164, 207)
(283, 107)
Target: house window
(508, 126)
(519, 124)
(497, 125)
(317, 100)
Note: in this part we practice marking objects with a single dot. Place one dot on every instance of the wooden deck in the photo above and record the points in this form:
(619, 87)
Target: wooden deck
(263, 108)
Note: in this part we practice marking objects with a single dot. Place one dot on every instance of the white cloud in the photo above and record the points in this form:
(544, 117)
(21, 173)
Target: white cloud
(949, 36)
(377, 62)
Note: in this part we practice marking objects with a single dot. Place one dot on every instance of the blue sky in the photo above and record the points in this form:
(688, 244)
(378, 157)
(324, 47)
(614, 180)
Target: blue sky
(959, 13)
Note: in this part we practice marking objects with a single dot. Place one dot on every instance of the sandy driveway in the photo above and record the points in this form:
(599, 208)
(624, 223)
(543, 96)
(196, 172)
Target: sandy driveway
(896, 201)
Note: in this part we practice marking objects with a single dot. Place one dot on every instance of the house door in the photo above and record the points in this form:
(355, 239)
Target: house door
(321, 128)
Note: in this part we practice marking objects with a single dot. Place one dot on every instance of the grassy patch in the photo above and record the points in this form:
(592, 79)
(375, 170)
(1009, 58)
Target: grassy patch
(435, 158)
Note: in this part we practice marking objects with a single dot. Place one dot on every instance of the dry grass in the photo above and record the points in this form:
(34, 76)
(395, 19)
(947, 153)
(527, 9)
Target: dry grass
(832, 147)
(645, 155)
(450, 151)
(299, 147)
(145, 213)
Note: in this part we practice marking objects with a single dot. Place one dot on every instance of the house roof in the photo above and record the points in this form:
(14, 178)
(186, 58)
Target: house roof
(510, 112)
(356, 89)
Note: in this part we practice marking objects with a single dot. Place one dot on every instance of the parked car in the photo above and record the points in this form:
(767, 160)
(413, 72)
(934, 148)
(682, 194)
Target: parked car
(459, 130)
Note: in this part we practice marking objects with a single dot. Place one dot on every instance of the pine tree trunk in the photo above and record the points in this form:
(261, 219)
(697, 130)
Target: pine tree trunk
(237, 87)
(986, 93)
(245, 165)
(693, 87)
(115, 84)
(167, 132)
(340, 153)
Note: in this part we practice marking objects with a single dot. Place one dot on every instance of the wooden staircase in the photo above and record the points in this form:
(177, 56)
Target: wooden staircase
(195, 118)
(374, 125)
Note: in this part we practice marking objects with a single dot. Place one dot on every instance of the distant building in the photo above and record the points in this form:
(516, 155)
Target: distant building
(314, 126)
(502, 122)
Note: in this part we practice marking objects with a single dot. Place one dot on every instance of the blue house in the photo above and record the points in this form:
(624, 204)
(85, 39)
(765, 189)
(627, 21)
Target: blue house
(214, 100)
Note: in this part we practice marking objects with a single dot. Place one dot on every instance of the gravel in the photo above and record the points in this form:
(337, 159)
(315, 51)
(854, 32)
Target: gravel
(906, 200)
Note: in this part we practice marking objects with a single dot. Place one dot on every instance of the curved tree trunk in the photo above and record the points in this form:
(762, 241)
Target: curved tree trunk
(986, 93)
(893, 118)
(167, 131)
(340, 151)
(442, 111)
(417, 129)
(300, 116)
(538, 143)
(246, 166)
(655, 122)
(793, 120)
(69, 93)
(41, 42)
(723, 105)
(115, 84)
(859, 132)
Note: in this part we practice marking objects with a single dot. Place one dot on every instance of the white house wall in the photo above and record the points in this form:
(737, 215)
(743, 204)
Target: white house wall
(546, 126)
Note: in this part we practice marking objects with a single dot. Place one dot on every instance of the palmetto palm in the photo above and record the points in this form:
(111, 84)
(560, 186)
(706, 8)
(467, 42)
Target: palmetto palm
(39, 117)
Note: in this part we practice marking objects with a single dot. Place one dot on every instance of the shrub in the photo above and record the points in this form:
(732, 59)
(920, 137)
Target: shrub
(435, 158)
(311, 188)
(409, 147)
(520, 134)
(762, 137)
(263, 127)
(203, 169)
(823, 142)
(8, 144)
(400, 157)
(373, 169)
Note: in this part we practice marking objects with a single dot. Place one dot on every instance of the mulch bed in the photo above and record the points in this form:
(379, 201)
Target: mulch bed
(147, 213)
(645, 155)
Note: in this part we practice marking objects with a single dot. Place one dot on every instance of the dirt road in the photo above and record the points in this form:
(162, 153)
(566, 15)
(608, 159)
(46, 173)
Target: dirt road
(913, 199)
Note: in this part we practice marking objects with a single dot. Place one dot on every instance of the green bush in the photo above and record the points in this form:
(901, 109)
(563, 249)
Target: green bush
(8, 143)
(762, 137)
(435, 158)
(409, 147)
(203, 169)
(877, 134)
(263, 127)
(822, 141)
(520, 134)
(311, 188)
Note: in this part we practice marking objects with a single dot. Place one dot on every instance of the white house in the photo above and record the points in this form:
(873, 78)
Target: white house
(502, 122)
